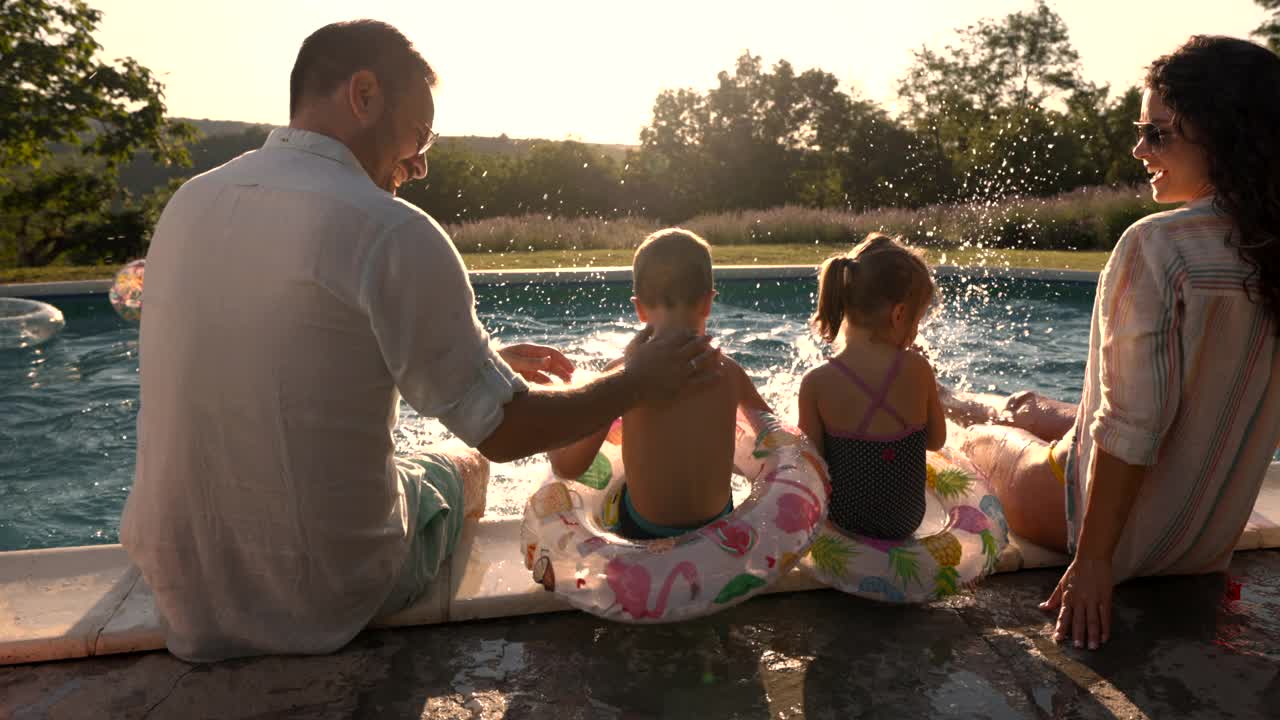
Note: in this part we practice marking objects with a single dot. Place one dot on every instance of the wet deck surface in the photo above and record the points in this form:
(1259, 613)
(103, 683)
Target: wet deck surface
(1183, 647)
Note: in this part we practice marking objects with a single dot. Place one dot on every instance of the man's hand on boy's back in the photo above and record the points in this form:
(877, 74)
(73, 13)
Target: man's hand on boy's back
(663, 367)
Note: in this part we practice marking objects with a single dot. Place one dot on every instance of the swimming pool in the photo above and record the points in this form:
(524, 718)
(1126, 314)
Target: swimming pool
(67, 440)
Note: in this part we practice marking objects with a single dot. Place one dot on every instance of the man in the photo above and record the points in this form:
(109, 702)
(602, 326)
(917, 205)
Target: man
(291, 301)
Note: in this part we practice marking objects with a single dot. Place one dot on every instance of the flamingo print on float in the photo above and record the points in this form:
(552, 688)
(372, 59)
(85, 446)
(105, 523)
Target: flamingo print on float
(796, 513)
(631, 585)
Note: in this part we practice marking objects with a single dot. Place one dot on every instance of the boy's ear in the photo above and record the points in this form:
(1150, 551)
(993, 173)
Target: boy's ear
(640, 311)
(704, 307)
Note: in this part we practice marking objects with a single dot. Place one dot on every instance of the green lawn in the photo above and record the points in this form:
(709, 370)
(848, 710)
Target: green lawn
(724, 255)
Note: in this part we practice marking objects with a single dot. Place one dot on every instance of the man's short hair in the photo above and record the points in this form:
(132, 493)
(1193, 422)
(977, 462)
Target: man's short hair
(332, 54)
(672, 268)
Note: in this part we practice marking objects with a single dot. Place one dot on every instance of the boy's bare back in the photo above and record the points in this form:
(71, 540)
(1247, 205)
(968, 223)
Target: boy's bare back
(679, 458)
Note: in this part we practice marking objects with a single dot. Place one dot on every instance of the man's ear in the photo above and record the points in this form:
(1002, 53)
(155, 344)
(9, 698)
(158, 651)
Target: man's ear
(366, 98)
(640, 311)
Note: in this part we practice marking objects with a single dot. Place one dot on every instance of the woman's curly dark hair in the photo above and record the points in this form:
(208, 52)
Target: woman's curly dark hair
(1228, 91)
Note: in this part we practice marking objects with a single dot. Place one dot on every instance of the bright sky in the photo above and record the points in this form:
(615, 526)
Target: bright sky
(567, 69)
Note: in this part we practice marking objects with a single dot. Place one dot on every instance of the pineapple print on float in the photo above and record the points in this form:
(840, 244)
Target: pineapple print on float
(957, 545)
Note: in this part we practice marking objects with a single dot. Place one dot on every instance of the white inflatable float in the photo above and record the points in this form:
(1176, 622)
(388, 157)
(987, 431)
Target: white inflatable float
(569, 546)
(958, 543)
(27, 323)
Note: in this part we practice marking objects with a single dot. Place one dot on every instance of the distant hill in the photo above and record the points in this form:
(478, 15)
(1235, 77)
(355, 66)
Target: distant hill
(503, 145)
(222, 140)
(214, 128)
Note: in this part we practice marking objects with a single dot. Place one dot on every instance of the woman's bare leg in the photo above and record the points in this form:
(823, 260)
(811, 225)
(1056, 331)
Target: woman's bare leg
(1015, 461)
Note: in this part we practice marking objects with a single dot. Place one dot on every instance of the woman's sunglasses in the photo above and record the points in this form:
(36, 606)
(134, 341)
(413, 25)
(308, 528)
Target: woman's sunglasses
(1155, 136)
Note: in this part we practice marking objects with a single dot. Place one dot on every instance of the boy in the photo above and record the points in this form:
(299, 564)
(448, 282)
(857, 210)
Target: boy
(678, 457)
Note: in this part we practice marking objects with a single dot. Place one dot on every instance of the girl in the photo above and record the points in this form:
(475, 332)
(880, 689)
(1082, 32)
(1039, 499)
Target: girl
(873, 409)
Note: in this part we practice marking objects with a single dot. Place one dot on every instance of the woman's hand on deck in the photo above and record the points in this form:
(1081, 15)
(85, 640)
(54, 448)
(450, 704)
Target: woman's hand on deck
(1083, 603)
(533, 362)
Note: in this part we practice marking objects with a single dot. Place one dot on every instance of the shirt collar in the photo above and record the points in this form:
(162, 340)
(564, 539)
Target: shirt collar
(1205, 201)
(288, 138)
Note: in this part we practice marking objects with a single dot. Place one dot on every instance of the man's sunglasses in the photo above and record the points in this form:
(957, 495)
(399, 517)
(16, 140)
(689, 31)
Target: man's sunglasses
(1155, 136)
(430, 139)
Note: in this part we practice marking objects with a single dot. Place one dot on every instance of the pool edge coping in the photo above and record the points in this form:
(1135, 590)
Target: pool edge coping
(63, 288)
(480, 580)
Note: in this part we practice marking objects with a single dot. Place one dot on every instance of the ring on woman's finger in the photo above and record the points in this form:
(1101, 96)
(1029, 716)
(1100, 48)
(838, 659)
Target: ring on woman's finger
(693, 363)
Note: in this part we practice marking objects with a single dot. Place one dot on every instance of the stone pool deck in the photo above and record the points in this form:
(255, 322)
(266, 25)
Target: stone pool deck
(1206, 647)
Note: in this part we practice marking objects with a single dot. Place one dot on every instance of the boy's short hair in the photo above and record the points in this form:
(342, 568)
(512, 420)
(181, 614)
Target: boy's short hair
(672, 268)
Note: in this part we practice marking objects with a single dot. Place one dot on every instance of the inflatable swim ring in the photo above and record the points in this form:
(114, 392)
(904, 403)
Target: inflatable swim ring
(27, 323)
(958, 543)
(569, 547)
(126, 291)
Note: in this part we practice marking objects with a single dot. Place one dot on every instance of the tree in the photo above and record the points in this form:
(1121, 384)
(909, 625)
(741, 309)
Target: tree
(54, 91)
(461, 184)
(762, 138)
(78, 214)
(1026, 58)
(566, 178)
(671, 173)
(1269, 31)
(1103, 127)
(986, 103)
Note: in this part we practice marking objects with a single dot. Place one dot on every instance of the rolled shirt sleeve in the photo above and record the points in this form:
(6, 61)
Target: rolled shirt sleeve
(415, 290)
(1140, 351)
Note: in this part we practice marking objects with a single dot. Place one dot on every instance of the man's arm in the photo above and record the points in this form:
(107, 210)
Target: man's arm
(654, 371)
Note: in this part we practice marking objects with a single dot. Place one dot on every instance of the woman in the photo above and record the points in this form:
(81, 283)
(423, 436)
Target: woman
(1180, 413)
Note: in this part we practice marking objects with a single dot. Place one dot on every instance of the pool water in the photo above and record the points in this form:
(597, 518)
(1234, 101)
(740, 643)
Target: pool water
(67, 439)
